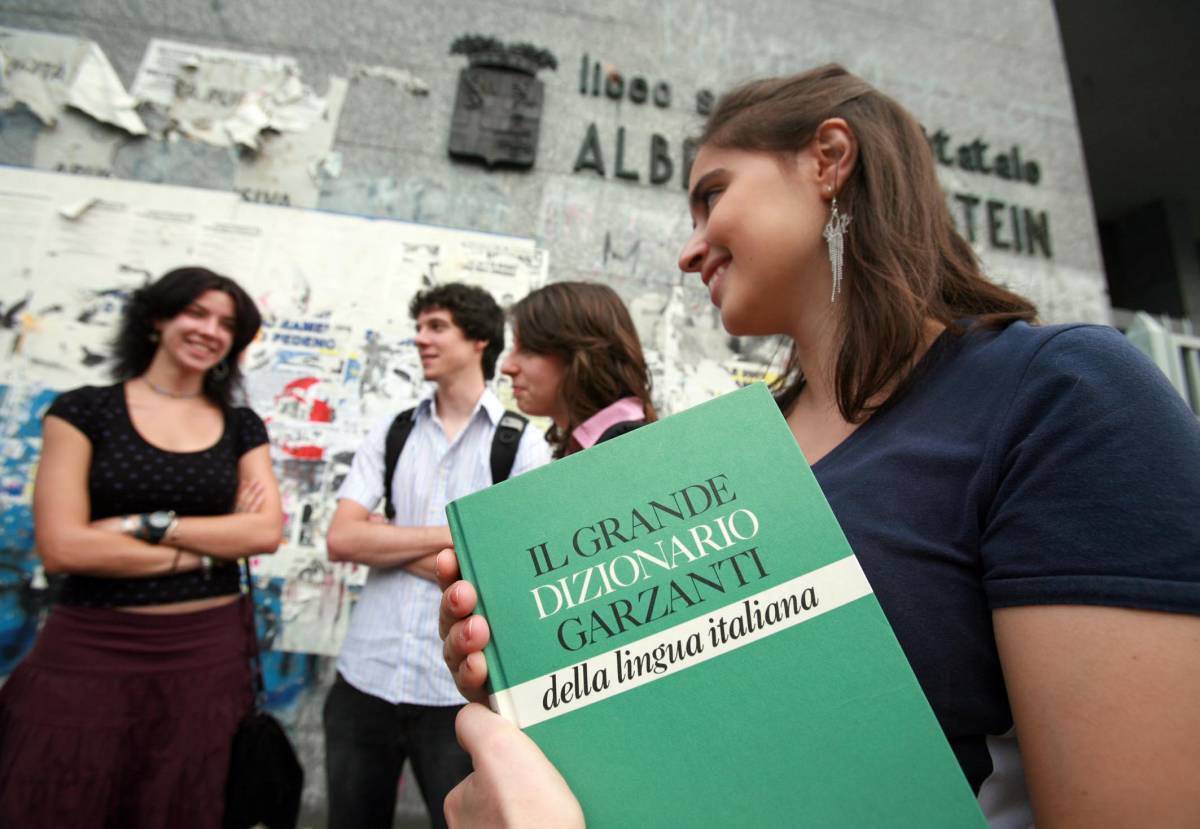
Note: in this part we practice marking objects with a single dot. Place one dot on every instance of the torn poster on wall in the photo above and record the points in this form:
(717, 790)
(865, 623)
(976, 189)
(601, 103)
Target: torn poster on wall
(49, 72)
(223, 97)
(68, 83)
(334, 353)
(257, 103)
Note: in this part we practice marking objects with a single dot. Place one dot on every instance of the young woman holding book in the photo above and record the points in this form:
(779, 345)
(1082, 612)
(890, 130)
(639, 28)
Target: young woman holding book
(1022, 498)
(577, 359)
(147, 493)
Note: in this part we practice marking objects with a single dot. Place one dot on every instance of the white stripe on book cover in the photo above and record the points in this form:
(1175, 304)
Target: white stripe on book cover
(683, 646)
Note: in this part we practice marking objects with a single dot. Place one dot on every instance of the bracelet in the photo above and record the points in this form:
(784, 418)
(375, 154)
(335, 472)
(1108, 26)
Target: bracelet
(206, 565)
(169, 535)
(131, 524)
(175, 561)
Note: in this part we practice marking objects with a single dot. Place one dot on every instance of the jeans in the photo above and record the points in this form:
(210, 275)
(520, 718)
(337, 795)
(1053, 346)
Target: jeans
(366, 742)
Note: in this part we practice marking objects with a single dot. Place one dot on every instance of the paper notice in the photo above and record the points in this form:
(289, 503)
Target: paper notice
(49, 72)
(226, 98)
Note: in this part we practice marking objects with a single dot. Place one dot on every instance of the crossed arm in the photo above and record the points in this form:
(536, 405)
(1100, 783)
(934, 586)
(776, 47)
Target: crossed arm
(356, 535)
(69, 543)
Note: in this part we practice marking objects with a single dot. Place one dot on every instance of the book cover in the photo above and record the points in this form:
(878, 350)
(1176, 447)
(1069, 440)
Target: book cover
(679, 623)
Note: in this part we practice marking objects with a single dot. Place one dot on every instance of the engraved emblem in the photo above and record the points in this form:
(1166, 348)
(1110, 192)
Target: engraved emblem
(498, 106)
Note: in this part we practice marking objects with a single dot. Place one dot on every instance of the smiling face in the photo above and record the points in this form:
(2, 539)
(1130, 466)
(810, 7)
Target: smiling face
(199, 336)
(757, 242)
(536, 382)
(445, 349)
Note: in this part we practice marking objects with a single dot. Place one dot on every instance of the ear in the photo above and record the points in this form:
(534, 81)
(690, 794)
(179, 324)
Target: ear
(836, 149)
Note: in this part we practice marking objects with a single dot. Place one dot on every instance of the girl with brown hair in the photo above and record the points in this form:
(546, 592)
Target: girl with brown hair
(577, 359)
(1021, 497)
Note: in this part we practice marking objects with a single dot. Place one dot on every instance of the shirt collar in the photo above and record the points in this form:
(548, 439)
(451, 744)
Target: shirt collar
(488, 401)
(627, 408)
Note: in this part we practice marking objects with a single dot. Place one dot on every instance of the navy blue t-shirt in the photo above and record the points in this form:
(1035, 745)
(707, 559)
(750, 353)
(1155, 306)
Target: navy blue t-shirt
(1027, 465)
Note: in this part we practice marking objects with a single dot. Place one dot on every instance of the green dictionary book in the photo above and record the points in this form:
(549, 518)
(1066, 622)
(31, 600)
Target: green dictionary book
(680, 624)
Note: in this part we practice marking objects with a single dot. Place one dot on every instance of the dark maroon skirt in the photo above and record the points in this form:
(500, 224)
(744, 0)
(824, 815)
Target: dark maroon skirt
(119, 719)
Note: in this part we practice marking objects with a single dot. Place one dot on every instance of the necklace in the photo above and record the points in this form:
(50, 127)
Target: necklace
(178, 395)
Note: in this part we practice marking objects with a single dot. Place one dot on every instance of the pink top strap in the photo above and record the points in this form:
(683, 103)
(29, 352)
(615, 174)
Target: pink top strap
(627, 408)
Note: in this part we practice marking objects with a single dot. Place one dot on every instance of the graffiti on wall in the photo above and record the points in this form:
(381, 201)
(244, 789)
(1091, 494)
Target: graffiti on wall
(334, 354)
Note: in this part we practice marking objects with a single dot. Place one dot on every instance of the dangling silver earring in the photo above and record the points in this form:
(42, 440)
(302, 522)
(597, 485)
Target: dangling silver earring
(834, 233)
(220, 371)
(153, 336)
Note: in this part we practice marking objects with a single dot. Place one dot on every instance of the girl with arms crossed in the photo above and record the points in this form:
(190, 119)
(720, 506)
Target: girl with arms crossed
(147, 493)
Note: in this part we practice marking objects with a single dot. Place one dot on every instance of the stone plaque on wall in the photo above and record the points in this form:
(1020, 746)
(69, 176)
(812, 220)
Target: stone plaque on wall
(498, 105)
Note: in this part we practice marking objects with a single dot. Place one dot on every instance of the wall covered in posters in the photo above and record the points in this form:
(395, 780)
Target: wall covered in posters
(334, 353)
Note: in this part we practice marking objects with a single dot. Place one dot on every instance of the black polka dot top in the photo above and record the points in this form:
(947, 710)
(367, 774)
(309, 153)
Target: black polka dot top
(129, 476)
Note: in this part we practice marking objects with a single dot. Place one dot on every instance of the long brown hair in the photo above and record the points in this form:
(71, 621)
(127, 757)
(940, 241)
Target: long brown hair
(905, 263)
(588, 327)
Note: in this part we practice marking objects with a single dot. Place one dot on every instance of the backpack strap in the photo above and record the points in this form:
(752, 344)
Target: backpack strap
(397, 435)
(618, 429)
(505, 443)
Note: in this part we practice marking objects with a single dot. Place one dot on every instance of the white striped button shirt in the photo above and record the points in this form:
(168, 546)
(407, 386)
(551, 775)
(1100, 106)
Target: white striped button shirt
(392, 650)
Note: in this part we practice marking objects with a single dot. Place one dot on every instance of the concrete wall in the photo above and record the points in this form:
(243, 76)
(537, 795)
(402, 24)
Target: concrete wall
(975, 73)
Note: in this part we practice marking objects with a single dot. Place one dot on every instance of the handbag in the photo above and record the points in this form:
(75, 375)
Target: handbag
(265, 777)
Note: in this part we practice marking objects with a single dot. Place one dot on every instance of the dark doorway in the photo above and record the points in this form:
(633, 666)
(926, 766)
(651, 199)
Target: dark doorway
(1134, 71)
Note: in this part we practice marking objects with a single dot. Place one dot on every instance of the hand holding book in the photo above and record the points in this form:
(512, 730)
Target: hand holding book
(513, 783)
(464, 635)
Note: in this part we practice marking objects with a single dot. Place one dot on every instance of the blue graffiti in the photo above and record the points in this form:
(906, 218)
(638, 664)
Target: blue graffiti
(21, 608)
(286, 675)
(22, 603)
(35, 410)
(19, 457)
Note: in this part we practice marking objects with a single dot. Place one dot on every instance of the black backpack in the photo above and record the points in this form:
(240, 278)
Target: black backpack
(504, 450)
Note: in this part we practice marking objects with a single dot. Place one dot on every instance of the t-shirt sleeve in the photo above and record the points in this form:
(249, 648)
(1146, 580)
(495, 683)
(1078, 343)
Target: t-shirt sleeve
(1097, 469)
(78, 407)
(364, 481)
(251, 431)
